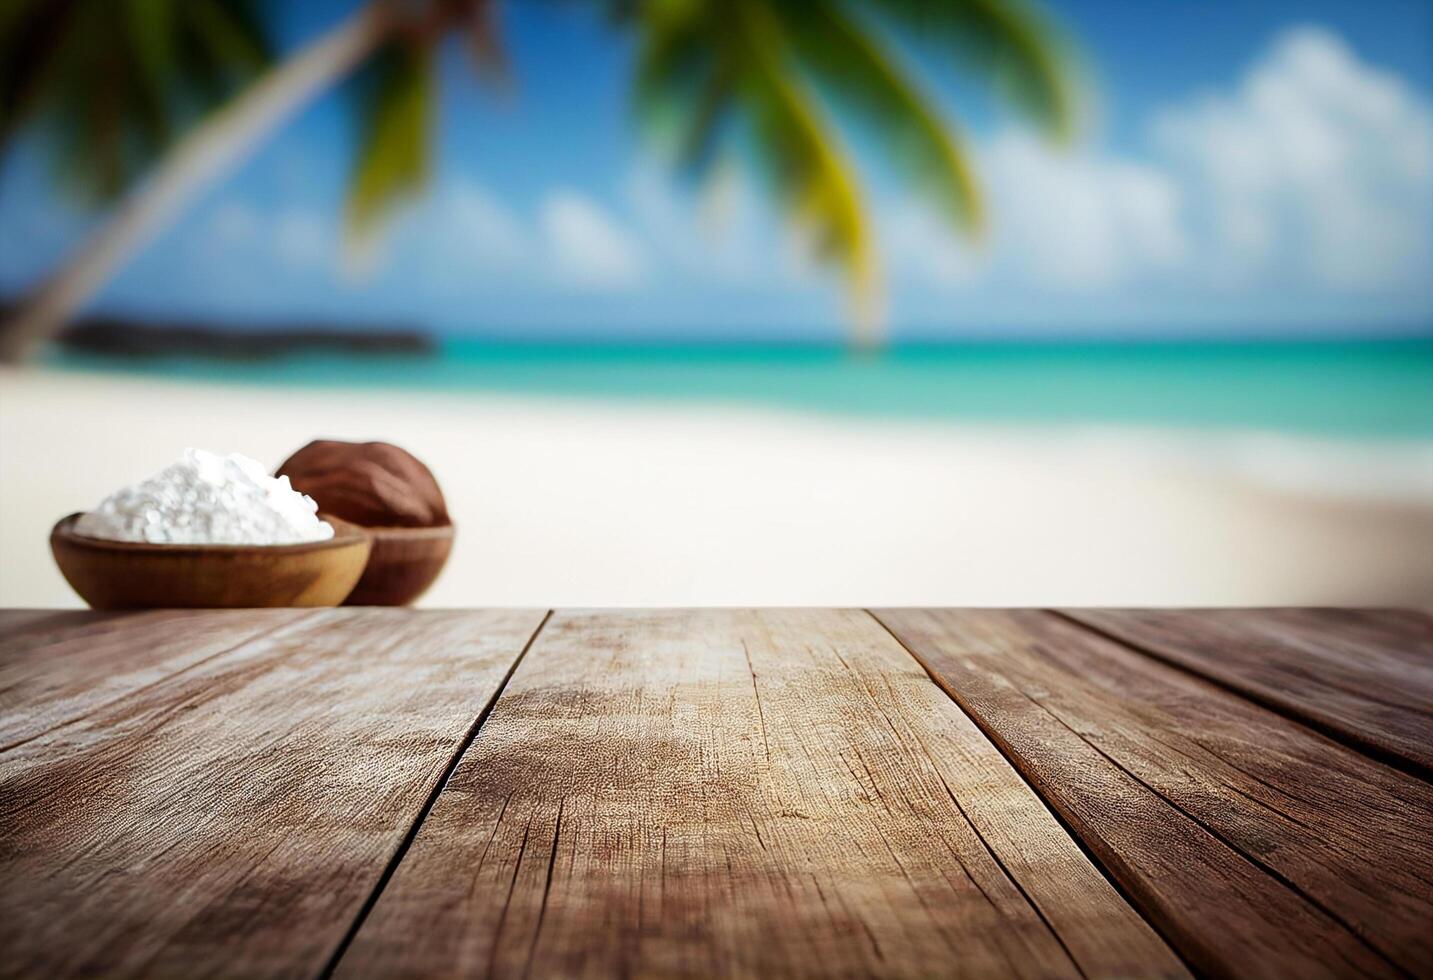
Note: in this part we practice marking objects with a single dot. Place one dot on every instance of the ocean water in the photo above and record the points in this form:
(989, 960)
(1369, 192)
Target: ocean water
(1357, 389)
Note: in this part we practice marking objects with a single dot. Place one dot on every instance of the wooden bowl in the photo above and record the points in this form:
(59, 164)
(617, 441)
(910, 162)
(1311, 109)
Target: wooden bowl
(404, 562)
(139, 575)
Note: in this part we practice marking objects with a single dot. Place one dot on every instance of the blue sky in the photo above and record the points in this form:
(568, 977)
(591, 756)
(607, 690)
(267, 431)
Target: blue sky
(1249, 168)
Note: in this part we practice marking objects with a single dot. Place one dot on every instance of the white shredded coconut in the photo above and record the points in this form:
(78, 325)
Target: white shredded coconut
(205, 498)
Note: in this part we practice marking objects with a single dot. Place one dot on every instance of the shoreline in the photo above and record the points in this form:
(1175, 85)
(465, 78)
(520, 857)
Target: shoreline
(578, 500)
(1365, 391)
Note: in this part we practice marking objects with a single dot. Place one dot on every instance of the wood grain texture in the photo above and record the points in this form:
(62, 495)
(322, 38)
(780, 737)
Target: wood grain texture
(1259, 847)
(1365, 676)
(57, 666)
(233, 818)
(747, 793)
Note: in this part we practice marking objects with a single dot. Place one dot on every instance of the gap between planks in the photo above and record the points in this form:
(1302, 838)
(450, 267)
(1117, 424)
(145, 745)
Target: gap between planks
(438, 786)
(1363, 746)
(1384, 954)
(1059, 818)
(181, 802)
(562, 688)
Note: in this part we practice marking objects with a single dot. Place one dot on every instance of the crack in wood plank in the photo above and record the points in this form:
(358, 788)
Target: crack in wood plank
(546, 890)
(422, 814)
(234, 816)
(1096, 861)
(1214, 833)
(756, 691)
(1281, 669)
(1357, 854)
(840, 852)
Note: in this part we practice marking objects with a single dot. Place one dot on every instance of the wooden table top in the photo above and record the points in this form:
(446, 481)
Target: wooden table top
(380, 792)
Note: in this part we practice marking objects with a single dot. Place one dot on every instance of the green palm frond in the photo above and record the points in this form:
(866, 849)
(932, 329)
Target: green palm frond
(866, 77)
(813, 178)
(1005, 42)
(703, 63)
(683, 84)
(217, 37)
(395, 128)
(31, 32)
(396, 98)
(113, 82)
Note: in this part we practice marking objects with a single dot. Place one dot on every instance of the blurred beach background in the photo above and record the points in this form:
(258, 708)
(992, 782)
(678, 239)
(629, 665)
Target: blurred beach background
(759, 303)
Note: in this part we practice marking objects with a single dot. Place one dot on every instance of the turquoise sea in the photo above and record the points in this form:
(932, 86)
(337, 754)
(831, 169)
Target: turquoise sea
(1357, 389)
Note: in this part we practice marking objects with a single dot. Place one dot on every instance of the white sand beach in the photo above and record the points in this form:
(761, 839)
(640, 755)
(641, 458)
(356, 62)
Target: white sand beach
(591, 503)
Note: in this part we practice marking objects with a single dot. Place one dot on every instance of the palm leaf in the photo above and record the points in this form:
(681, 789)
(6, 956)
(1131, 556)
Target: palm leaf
(150, 30)
(812, 178)
(395, 95)
(32, 32)
(396, 109)
(867, 79)
(704, 62)
(114, 82)
(223, 44)
(1004, 41)
(682, 87)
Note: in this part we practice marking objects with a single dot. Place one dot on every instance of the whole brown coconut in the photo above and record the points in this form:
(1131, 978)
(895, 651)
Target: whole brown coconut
(372, 484)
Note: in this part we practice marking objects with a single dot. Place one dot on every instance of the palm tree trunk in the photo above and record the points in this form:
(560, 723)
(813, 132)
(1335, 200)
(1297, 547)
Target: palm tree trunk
(207, 153)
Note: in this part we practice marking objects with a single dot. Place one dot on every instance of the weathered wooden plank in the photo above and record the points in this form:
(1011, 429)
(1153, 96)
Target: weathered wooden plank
(1259, 847)
(234, 818)
(1364, 676)
(752, 793)
(13, 621)
(57, 666)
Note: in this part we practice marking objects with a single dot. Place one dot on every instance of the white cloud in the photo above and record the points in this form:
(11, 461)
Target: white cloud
(1079, 219)
(919, 245)
(1068, 220)
(1316, 164)
(237, 232)
(456, 236)
(1308, 178)
(1314, 171)
(460, 238)
(463, 237)
(492, 233)
(716, 234)
(586, 246)
(466, 235)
